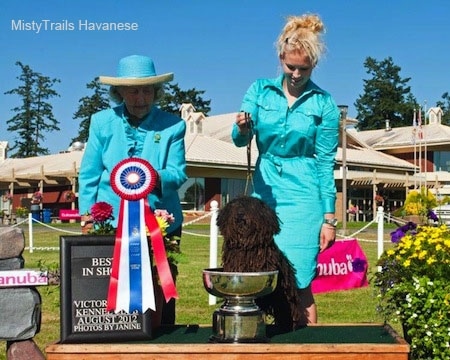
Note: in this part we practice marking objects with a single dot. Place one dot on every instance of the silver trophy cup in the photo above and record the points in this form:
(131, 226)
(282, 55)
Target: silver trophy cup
(239, 319)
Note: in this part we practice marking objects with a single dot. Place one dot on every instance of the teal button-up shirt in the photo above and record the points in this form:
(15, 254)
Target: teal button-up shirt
(309, 128)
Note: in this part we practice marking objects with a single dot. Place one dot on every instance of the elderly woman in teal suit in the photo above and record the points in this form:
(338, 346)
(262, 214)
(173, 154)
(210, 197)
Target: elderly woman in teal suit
(136, 127)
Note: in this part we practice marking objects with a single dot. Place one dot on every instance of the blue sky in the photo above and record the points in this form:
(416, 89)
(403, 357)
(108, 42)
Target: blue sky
(219, 47)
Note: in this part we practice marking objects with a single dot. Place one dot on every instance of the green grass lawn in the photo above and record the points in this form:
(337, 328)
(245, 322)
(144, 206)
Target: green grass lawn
(353, 306)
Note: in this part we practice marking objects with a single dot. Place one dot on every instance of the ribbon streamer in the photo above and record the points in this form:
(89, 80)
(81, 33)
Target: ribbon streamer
(159, 252)
(131, 281)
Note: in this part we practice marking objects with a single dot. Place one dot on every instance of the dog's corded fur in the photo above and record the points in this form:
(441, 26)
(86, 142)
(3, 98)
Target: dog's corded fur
(248, 226)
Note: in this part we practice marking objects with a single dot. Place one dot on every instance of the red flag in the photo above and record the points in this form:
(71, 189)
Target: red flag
(414, 130)
(419, 122)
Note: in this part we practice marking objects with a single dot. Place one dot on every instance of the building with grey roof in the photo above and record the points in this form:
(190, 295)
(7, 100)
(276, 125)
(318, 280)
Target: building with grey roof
(387, 162)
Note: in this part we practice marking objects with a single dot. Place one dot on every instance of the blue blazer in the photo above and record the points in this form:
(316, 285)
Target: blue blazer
(159, 140)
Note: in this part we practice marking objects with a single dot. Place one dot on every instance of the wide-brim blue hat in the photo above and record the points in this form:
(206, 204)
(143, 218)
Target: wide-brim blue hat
(135, 70)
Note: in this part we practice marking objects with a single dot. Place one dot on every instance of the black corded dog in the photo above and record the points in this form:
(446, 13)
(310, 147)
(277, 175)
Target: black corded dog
(248, 226)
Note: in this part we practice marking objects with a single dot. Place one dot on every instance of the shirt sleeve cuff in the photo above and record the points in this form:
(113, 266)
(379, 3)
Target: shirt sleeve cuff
(329, 205)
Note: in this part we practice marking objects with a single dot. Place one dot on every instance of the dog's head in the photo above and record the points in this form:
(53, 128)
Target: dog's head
(247, 222)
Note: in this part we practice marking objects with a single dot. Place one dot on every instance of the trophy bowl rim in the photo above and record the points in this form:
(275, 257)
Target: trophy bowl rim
(233, 292)
(219, 271)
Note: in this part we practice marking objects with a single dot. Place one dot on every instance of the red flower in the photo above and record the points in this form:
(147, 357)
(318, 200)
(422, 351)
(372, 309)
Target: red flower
(101, 211)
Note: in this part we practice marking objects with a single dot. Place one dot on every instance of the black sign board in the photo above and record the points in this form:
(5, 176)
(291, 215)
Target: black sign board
(85, 268)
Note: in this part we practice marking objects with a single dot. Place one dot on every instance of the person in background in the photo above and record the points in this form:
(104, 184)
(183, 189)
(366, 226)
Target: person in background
(352, 212)
(136, 127)
(296, 127)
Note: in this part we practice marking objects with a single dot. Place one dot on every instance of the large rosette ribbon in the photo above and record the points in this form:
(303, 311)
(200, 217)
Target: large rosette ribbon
(131, 285)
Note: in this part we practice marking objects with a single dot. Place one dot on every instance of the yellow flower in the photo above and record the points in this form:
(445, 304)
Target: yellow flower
(163, 225)
(447, 299)
(422, 255)
(414, 288)
(407, 243)
(418, 202)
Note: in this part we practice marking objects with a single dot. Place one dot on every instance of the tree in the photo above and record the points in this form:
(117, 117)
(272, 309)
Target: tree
(386, 96)
(444, 104)
(89, 105)
(171, 102)
(34, 117)
(173, 98)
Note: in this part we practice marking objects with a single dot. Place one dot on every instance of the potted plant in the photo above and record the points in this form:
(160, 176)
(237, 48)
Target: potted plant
(7, 196)
(21, 213)
(379, 200)
(418, 205)
(413, 288)
(37, 198)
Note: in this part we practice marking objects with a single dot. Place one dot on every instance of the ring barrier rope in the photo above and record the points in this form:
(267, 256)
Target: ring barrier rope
(197, 219)
(213, 228)
(30, 220)
(357, 232)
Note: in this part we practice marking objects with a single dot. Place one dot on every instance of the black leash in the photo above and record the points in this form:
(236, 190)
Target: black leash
(249, 125)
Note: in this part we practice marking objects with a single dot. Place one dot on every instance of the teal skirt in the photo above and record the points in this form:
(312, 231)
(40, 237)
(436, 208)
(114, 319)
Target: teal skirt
(290, 187)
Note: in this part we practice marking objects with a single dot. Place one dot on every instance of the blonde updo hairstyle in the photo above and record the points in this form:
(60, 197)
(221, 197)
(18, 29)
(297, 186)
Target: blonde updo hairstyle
(118, 99)
(302, 33)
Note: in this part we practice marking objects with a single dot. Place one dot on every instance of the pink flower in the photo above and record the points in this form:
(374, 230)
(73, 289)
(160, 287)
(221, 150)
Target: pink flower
(164, 215)
(101, 211)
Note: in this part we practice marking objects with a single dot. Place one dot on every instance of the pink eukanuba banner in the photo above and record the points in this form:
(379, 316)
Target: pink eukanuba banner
(341, 267)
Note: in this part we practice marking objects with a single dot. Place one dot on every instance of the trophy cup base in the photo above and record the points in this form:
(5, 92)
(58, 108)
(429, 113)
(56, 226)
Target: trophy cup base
(239, 319)
(237, 327)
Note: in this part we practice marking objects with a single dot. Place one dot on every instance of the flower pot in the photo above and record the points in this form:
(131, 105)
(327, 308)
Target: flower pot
(416, 219)
(405, 329)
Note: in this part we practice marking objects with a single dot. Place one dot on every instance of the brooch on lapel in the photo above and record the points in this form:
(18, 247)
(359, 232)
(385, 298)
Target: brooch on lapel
(157, 138)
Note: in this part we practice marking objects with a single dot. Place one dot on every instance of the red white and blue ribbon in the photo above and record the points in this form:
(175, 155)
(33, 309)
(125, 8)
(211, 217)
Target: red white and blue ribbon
(131, 281)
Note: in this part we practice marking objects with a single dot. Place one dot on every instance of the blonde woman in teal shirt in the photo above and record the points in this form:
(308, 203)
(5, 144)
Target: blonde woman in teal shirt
(296, 127)
(136, 128)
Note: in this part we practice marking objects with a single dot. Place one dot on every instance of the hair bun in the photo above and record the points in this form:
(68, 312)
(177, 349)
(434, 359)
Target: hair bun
(309, 21)
(302, 33)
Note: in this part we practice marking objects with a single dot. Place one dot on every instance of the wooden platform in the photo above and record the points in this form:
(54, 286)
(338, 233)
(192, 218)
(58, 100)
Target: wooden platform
(327, 342)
